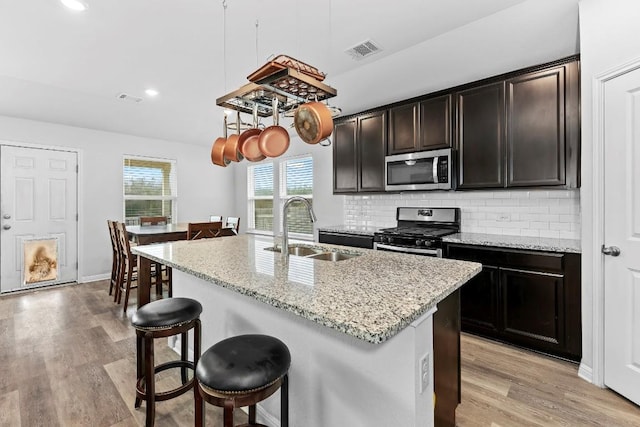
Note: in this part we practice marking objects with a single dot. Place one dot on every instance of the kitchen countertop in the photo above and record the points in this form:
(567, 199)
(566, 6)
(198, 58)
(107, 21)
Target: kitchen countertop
(360, 230)
(516, 242)
(372, 296)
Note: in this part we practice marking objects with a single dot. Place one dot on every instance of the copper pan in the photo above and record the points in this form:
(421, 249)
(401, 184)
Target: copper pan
(313, 122)
(249, 140)
(232, 146)
(217, 150)
(274, 140)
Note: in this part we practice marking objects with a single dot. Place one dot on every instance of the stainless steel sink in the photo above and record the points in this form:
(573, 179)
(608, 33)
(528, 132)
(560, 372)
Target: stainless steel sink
(333, 256)
(303, 251)
(315, 253)
(298, 250)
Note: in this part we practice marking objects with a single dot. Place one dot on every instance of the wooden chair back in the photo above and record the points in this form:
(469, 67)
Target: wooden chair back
(112, 233)
(115, 263)
(123, 240)
(153, 220)
(215, 218)
(234, 222)
(203, 230)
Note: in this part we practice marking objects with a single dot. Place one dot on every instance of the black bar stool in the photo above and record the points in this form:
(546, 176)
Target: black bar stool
(161, 319)
(242, 371)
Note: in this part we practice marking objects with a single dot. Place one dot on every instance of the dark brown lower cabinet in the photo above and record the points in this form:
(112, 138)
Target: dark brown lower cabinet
(527, 298)
(345, 239)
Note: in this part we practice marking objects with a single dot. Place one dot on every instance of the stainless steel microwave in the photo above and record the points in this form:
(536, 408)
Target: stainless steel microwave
(424, 170)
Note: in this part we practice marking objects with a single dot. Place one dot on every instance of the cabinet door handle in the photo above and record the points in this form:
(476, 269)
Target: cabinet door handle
(611, 250)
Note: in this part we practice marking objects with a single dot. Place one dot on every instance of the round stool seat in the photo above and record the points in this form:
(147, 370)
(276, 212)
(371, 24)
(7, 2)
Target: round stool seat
(166, 313)
(243, 364)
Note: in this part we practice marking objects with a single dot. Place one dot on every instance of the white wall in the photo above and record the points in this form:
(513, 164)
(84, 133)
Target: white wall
(608, 38)
(328, 208)
(203, 189)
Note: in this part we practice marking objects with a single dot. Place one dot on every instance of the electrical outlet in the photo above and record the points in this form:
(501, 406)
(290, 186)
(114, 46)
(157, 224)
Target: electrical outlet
(424, 372)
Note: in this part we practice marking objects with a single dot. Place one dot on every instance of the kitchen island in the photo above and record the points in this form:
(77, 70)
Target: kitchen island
(360, 330)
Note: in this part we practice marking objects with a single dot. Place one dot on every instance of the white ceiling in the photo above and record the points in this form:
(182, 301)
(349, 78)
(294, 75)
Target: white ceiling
(67, 67)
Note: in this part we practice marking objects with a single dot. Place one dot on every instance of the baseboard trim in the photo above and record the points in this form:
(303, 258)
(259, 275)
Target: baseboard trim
(95, 278)
(586, 373)
(264, 417)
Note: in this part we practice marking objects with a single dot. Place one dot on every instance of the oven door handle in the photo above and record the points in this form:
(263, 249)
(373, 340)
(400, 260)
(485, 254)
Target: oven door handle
(433, 252)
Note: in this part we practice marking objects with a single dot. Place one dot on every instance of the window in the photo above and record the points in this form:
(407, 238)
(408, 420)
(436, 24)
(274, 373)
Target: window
(294, 178)
(260, 192)
(150, 188)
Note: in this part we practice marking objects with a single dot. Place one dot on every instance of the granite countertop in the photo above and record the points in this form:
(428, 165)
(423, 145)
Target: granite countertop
(360, 230)
(516, 242)
(371, 297)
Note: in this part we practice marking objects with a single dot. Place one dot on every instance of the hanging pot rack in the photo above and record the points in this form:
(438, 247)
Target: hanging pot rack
(290, 86)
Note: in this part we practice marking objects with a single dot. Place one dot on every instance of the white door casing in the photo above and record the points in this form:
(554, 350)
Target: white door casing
(38, 198)
(621, 196)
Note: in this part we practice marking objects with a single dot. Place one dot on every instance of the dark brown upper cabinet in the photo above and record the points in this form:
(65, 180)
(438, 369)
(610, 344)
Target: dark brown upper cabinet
(420, 126)
(522, 131)
(359, 147)
(403, 128)
(345, 157)
(372, 147)
(536, 135)
(480, 136)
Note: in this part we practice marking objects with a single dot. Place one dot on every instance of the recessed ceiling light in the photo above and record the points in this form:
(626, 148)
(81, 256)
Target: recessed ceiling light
(151, 92)
(78, 5)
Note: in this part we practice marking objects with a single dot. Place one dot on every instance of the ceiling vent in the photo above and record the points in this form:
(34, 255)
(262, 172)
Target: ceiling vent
(129, 98)
(364, 49)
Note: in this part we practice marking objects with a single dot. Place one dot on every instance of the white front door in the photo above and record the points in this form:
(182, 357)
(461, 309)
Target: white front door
(622, 232)
(38, 201)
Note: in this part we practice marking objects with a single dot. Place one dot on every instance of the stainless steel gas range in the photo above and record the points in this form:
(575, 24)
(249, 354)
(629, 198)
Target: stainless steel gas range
(418, 231)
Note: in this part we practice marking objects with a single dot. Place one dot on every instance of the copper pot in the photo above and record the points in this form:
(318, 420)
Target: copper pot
(248, 140)
(313, 122)
(274, 140)
(217, 149)
(232, 146)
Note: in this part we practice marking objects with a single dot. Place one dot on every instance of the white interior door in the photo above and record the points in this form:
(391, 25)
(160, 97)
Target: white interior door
(38, 201)
(622, 233)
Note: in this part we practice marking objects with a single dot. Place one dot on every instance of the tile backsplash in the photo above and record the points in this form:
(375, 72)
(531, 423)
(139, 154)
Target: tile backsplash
(538, 213)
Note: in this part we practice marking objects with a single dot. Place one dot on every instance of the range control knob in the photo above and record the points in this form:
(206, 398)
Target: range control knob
(389, 239)
(420, 242)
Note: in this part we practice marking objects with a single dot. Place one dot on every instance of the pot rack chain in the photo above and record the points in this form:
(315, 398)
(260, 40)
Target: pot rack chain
(224, 42)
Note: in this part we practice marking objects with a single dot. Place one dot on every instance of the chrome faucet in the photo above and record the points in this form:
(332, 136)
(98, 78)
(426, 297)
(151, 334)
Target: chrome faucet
(285, 226)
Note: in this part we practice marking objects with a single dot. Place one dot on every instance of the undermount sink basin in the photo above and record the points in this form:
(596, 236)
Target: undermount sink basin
(333, 256)
(303, 251)
(298, 250)
(315, 253)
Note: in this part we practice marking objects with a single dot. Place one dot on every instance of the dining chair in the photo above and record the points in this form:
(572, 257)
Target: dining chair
(129, 266)
(153, 220)
(115, 262)
(203, 230)
(215, 218)
(233, 222)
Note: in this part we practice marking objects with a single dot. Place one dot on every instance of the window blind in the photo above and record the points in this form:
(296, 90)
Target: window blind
(150, 188)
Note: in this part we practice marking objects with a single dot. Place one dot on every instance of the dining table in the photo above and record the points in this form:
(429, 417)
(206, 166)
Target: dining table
(150, 234)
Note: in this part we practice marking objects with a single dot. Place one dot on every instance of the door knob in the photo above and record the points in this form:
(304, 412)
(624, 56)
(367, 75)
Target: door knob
(611, 250)
(6, 226)
(6, 216)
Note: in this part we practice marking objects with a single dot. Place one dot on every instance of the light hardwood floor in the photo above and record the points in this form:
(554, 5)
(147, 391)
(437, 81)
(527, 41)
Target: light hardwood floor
(67, 358)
